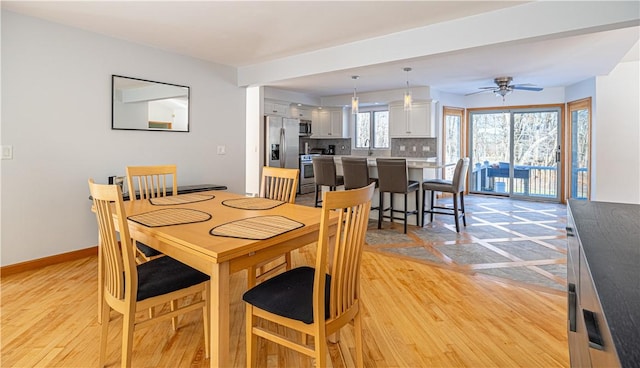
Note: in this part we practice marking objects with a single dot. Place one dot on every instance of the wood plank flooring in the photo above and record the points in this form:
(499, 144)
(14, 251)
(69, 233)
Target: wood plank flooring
(415, 315)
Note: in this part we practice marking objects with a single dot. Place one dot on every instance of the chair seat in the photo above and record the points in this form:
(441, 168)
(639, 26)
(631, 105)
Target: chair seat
(289, 294)
(164, 275)
(438, 185)
(147, 250)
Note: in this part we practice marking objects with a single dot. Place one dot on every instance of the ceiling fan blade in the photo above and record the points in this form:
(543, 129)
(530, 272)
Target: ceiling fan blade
(523, 88)
(475, 93)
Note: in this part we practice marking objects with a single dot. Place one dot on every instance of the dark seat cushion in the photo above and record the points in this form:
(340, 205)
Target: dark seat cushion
(438, 185)
(289, 294)
(147, 250)
(164, 275)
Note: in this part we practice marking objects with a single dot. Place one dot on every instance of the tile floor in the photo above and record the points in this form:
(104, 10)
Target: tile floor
(513, 241)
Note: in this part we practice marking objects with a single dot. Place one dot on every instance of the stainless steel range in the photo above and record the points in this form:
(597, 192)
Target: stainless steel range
(307, 180)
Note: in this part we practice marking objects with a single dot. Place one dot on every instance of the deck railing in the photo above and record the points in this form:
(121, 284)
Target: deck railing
(540, 181)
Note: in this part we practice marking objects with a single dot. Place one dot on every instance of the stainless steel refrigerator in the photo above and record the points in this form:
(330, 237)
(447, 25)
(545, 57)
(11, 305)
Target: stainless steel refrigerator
(282, 142)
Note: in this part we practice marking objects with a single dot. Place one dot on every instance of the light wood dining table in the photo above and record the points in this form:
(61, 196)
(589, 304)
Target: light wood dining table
(219, 256)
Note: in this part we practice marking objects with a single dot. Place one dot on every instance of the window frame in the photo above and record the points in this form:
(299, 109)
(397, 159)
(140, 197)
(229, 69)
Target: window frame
(372, 110)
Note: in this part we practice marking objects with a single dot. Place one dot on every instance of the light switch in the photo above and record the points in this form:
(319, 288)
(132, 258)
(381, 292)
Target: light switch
(7, 152)
(221, 150)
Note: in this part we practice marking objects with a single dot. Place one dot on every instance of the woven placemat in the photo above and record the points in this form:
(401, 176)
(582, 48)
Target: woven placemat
(170, 216)
(181, 199)
(252, 203)
(256, 228)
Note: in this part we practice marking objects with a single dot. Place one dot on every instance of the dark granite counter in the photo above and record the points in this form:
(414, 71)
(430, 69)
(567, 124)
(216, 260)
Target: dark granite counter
(610, 238)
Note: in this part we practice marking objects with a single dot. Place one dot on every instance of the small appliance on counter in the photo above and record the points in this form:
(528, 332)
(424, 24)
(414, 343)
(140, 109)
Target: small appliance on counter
(331, 150)
(317, 151)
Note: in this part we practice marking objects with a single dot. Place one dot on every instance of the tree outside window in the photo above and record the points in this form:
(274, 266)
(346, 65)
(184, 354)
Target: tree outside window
(372, 129)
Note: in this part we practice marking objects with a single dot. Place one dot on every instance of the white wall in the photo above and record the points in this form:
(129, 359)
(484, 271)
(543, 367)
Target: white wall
(56, 113)
(616, 132)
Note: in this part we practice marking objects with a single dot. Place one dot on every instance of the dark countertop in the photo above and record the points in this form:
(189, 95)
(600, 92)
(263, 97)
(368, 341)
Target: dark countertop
(610, 237)
(184, 189)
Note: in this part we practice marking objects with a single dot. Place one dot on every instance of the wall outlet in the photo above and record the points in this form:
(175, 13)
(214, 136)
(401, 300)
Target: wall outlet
(425, 149)
(7, 152)
(401, 148)
(414, 148)
(222, 150)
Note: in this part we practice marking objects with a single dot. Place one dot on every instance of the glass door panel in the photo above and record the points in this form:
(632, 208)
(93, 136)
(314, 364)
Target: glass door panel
(580, 126)
(452, 143)
(536, 154)
(516, 152)
(490, 147)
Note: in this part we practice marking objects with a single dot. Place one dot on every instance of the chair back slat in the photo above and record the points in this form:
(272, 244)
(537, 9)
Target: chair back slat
(279, 183)
(352, 208)
(120, 273)
(146, 182)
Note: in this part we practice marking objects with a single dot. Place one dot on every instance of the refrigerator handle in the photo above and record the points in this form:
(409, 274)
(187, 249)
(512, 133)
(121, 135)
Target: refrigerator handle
(283, 148)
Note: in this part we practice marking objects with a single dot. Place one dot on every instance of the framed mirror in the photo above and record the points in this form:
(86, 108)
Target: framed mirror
(139, 104)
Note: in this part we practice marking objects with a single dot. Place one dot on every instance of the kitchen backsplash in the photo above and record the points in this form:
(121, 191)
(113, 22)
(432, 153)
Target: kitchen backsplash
(414, 147)
(343, 146)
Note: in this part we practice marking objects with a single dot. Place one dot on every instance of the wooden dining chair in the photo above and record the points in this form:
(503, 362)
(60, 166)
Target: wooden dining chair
(280, 184)
(317, 301)
(128, 287)
(145, 182)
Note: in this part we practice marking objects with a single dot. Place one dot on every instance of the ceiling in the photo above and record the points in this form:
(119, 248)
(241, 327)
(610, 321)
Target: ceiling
(245, 33)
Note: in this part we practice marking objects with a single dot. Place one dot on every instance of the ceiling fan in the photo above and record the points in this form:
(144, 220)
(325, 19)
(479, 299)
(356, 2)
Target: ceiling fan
(504, 88)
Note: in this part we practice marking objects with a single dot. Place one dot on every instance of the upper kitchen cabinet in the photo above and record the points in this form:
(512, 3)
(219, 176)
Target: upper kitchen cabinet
(416, 123)
(301, 112)
(276, 108)
(328, 123)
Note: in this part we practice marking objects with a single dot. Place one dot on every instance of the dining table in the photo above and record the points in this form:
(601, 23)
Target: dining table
(219, 233)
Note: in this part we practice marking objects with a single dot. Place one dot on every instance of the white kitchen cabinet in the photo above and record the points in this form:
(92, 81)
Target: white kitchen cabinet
(416, 123)
(301, 113)
(276, 108)
(328, 123)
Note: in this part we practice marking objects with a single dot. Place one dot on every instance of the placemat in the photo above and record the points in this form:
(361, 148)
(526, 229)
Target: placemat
(181, 199)
(252, 203)
(256, 228)
(170, 216)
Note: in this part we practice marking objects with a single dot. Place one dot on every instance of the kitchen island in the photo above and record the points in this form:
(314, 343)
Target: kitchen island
(420, 169)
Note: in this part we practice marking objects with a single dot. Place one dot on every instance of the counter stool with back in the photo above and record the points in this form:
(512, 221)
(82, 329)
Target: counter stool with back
(393, 177)
(356, 174)
(455, 186)
(324, 170)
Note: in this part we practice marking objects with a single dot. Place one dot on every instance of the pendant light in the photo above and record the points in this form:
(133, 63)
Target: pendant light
(354, 99)
(407, 93)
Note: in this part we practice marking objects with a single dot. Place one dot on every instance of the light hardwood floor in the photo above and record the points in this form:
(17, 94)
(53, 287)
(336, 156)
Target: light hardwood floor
(415, 315)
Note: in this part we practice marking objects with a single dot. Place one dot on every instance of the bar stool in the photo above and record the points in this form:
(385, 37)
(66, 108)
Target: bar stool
(455, 186)
(324, 171)
(356, 173)
(393, 178)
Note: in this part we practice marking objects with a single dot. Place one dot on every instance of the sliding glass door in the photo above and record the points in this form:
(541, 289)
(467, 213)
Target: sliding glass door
(516, 152)
(580, 133)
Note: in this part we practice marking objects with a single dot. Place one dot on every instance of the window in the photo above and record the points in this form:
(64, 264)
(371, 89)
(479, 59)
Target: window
(372, 126)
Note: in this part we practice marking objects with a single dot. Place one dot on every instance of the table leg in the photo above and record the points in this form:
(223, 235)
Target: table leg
(219, 318)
